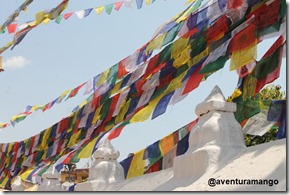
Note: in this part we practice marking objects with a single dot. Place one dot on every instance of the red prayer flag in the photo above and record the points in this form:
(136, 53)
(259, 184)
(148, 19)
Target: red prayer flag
(121, 68)
(243, 39)
(193, 81)
(75, 91)
(115, 133)
(266, 15)
(11, 28)
(118, 5)
(217, 30)
(66, 16)
(190, 126)
(69, 157)
(234, 4)
(63, 124)
(151, 65)
(112, 108)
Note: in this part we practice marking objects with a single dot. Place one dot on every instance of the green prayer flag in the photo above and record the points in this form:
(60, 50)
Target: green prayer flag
(198, 45)
(58, 19)
(267, 65)
(105, 108)
(165, 54)
(109, 8)
(38, 156)
(270, 29)
(214, 66)
(247, 108)
(283, 9)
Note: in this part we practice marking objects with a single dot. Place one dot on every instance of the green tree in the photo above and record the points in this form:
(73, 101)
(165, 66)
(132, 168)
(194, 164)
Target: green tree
(270, 92)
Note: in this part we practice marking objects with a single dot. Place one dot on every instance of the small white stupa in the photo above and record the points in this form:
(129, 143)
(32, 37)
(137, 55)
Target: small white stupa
(51, 180)
(17, 185)
(105, 169)
(216, 137)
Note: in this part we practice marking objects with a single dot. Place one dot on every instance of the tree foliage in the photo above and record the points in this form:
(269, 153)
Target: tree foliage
(270, 92)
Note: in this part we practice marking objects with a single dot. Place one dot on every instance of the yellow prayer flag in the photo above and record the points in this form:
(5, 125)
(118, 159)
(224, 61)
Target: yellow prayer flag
(103, 77)
(24, 175)
(33, 23)
(137, 166)
(147, 2)
(45, 139)
(46, 21)
(144, 114)
(35, 107)
(39, 17)
(116, 88)
(63, 95)
(156, 43)
(198, 57)
(3, 184)
(88, 149)
(178, 46)
(189, 1)
(99, 9)
(183, 16)
(97, 114)
(73, 139)
(175, 83)
(166, 144)
(83, 103)
(249, 87)
(10, 148)
(123, 110)
(182, 58)
(243, 57)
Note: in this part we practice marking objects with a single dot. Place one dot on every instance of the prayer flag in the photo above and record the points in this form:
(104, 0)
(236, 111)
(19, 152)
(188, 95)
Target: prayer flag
(109, 8)
(162, 105)
(118, 5)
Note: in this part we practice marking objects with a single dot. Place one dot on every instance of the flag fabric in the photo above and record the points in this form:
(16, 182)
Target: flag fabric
(162, 105)
(11, 28)
(99, 10)
(176, 66)
(109, 8)
(139, 3)
(118, 5)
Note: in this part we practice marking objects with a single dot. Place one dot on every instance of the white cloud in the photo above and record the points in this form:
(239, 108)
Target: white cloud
(16, 62)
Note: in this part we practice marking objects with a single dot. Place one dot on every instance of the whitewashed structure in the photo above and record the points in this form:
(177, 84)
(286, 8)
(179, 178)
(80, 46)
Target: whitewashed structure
(51, 180)
(105, 169)
(215, 138)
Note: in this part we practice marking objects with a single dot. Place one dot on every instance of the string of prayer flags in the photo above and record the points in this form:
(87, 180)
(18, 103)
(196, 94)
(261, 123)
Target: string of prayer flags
(102, 78)
(145, 160)
(40, 17)
(99, 115)
(15, 14)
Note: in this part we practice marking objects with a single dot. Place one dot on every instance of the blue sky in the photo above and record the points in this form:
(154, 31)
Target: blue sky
(55, 57)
